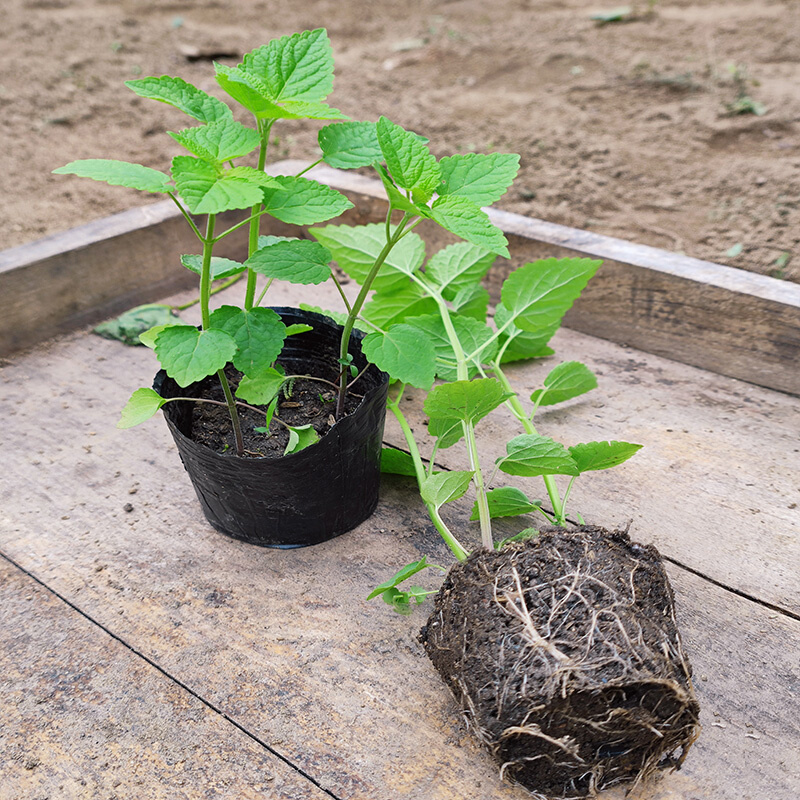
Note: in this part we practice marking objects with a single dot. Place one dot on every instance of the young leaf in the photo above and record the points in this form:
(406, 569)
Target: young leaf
(247, 89)
(387, 308)
(601, 455)
(522, 536)
(409, 161)
(473, 302)
(300, 437)
(444, 487)
(523, 344)
(189, 355)
(459, 266)
(118, 173)
(261, 388)
(295, 67)
(142, 405)
(295, 260)
(258, 333)
(481, 178)
(219, 141)
(507, 501)
(567, 380)
(220, 267)
(396, 462)
(127, 327)
(397, 199)
(148, 337)
(403, 354)
(447, 431)
(531, 455)
(401, 575)
(355, 249)
(298, 327)
(538, 294)
(347, 145)
(182, 95)
(469, 401)
(205, 191)
(299, 201)
(463, 218)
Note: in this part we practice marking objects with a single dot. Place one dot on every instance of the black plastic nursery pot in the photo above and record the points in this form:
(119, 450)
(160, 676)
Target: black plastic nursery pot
(566, 659)
(303, 498)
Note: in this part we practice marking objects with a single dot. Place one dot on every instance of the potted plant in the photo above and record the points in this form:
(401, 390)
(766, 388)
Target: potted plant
(226, 387)
(559, 644)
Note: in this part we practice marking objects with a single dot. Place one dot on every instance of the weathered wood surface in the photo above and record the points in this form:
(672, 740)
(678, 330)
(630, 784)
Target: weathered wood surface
(722, 319)
(89, 273)
(284, 642)
(83, 716)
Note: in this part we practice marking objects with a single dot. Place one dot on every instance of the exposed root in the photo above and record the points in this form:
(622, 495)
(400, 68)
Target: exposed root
(564, 654)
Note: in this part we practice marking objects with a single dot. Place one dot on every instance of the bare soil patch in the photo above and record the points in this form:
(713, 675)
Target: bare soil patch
(622, 128)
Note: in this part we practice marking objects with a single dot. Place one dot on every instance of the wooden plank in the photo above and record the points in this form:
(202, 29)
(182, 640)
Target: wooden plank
(89, 273)
(722, 319)
(284, 641)
(83, 716)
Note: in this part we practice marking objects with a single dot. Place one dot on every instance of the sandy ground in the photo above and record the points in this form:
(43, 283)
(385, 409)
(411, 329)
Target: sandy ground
(622, 128)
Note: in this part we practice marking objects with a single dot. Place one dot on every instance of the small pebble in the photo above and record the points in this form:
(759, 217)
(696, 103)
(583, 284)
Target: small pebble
(127, 507)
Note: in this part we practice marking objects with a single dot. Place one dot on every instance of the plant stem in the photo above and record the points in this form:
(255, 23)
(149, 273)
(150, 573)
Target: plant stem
(205, 295)
(255, 224)
(455, 546)
(519, 412)
(229, 282)
(356, 308)
(186, 216)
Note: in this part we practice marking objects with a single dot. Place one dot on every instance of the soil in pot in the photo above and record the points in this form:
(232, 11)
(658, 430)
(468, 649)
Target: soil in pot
(307, 402)
(565, 657)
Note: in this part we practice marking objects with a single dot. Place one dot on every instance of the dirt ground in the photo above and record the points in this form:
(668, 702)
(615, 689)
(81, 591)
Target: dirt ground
(622, 128)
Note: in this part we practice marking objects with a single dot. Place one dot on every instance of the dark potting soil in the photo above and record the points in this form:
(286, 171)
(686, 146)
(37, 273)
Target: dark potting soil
(564, 654)
(306, 402)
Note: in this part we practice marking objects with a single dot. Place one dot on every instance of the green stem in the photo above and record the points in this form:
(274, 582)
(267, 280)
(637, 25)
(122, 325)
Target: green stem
(186, 216)
(519, 412)
(308, 168)
(205, 295)
(255, 224)
(356, 308)
(264, 291)
(455, 546)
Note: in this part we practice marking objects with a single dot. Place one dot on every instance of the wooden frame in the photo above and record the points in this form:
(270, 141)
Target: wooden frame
(725, 320)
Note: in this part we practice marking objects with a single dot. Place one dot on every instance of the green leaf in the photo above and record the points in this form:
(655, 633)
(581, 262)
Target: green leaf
(567, 380)
(458, 267)
(387, 308)
(148, 337)
(356, 248)
(248, 90)
(397, 199)
(189, 355)
(295, 67)
(298, 327)
(614, 15)
(295, 260)
(220, 267)
(401, 575)
(299, 201)
(300, 109)
(255, 176)
(205, 191)
(396, 462)
(261, 388)
(522, 536)
(347, 145)
(447, 432)
(473, 302)
(538, 294)
(403, 354)
(444, 487)
(337, 316)
(409, 161)
(258, 333)
(523, 344)
(531, 455)
(601, 455)
(118, 173)
(470, 333)
(182, 95)
(481, 178)
(735, 250)
(220, 141)
(507, 501)
(469, 401)
(127, 327)
(300, 437)
(142, 405)
(463, 218)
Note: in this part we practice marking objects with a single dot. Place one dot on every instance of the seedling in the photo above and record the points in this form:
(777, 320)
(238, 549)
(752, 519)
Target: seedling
(290, 78)
(743, 103)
